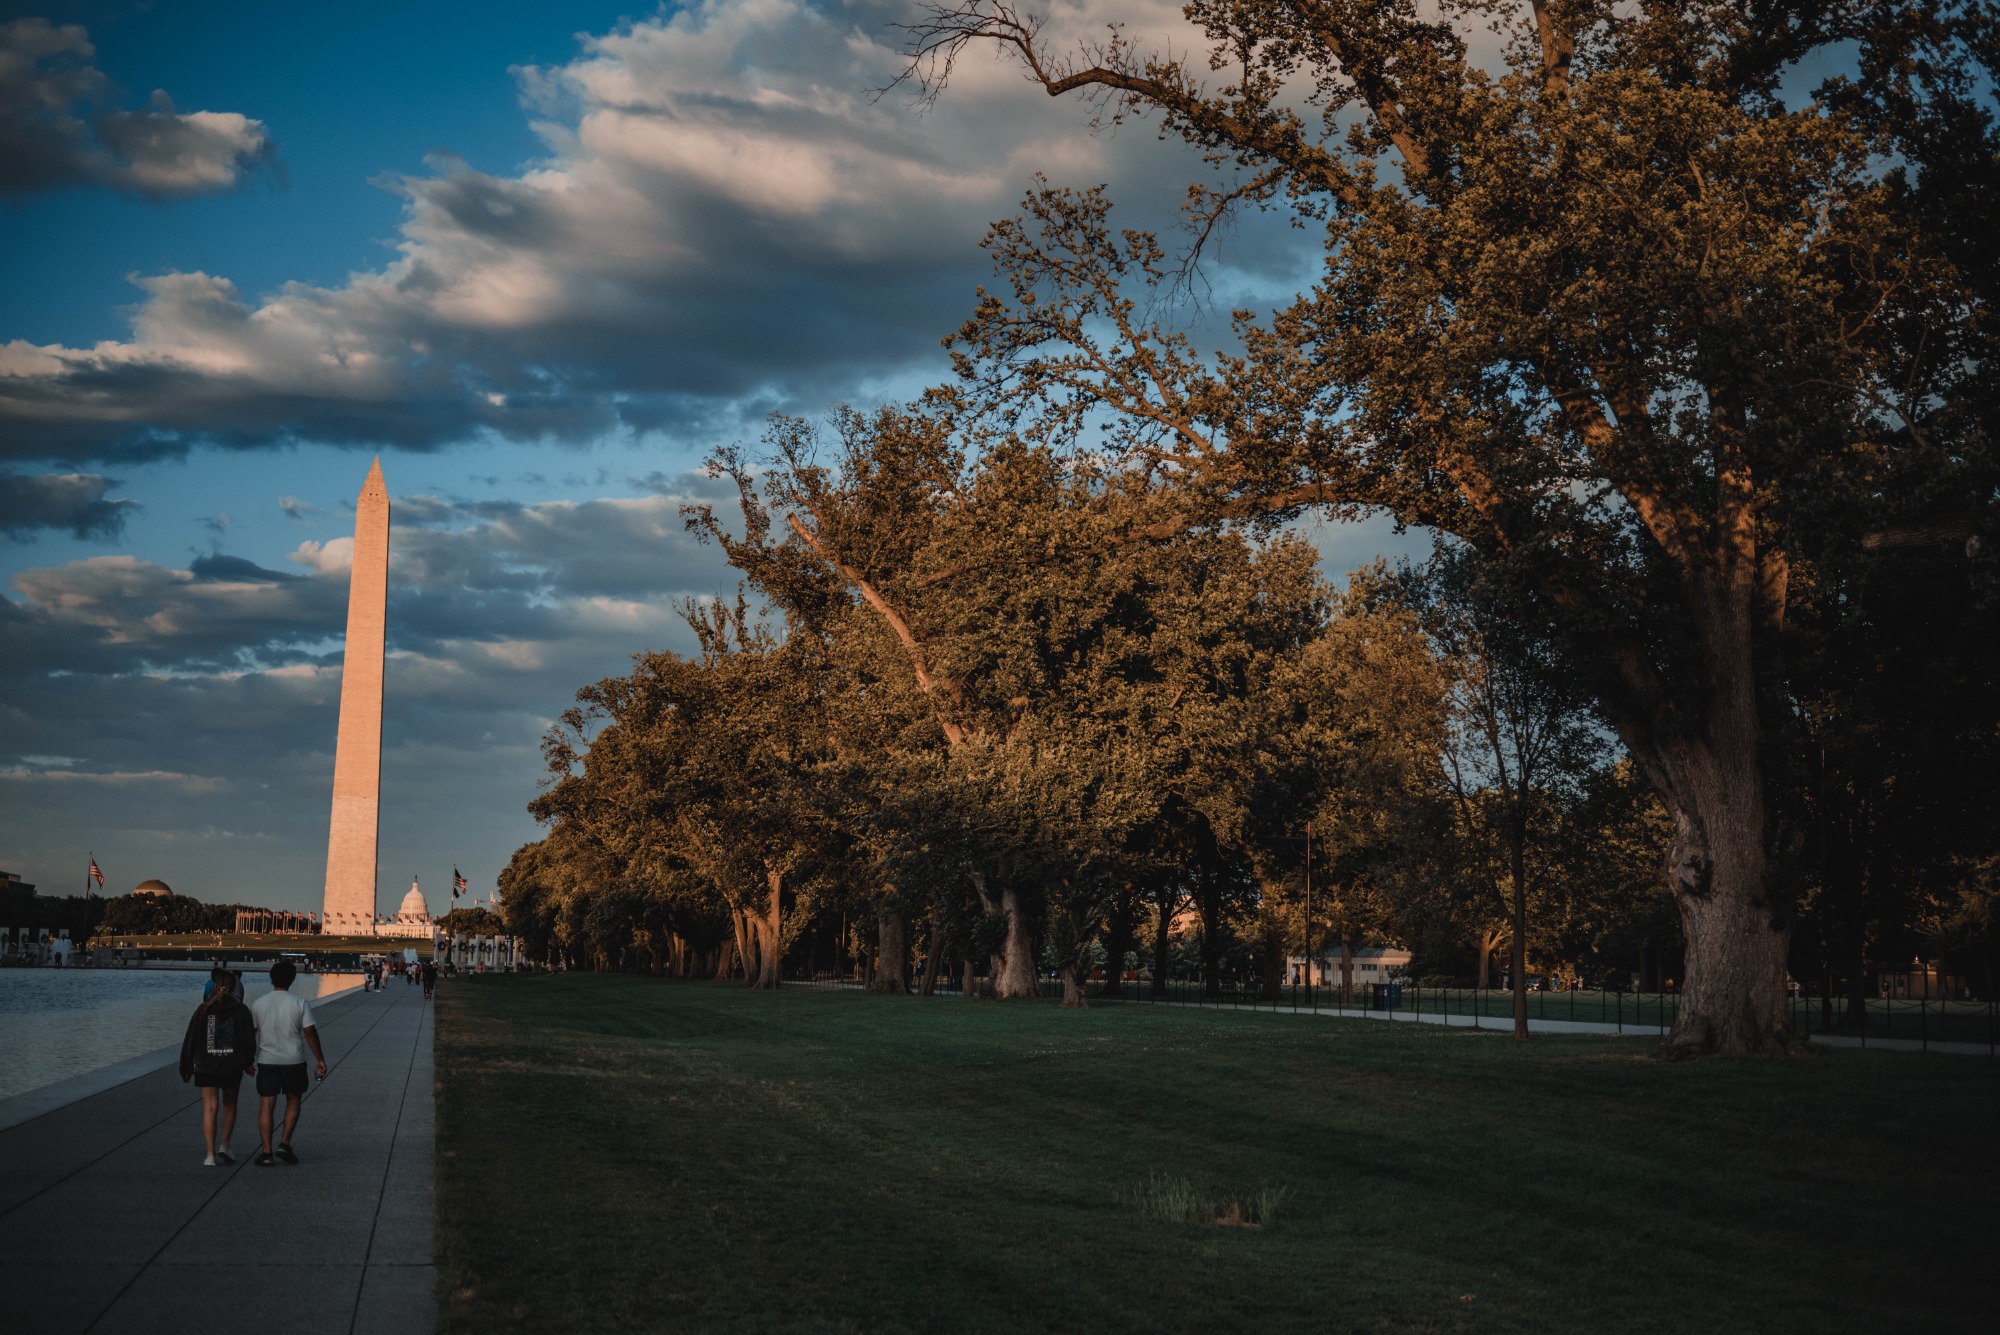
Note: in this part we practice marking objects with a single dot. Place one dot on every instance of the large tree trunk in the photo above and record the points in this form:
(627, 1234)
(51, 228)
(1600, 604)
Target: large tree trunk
(889, 979)
(1346, 967)
(1273, 982)
(1163, 945)
(1211, 938)
(1075, 996)
(1117, 943)
(1489, 941)
(1711, 780)
(1517, 955)
(768, 931)
(1733, 998)
(1014, 972)
(746, 944)
(1013, 969)
(932, 944)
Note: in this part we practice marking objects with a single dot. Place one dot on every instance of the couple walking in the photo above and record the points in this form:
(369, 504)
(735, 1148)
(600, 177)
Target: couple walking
(267, 1038)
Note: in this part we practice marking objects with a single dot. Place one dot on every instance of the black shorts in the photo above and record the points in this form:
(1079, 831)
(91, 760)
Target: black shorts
(275, 1080)
(218, 1079)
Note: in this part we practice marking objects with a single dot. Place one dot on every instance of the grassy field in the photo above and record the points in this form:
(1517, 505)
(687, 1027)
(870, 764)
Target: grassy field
(626, 1153)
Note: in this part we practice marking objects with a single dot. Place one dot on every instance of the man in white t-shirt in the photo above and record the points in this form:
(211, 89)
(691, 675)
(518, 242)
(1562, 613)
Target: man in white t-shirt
(284, 1032)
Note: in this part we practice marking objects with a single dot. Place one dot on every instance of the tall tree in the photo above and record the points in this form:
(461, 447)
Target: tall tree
(704, 764)
(1613, 306)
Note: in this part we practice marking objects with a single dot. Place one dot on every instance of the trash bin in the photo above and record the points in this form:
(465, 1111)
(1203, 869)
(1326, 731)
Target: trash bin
(1394, 1000)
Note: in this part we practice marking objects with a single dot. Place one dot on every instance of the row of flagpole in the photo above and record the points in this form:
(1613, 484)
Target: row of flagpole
(458, 886)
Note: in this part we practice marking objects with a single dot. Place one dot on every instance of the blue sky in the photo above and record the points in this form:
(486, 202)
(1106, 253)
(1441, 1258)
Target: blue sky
(350, 92)
(539, 259)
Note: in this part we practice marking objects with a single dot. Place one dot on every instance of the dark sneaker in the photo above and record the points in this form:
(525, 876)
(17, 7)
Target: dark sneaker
(224, 1157)
(286, 1153)
(264, 1160)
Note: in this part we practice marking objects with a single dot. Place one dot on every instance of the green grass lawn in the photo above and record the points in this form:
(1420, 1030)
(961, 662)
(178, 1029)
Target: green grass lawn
(627, 1153)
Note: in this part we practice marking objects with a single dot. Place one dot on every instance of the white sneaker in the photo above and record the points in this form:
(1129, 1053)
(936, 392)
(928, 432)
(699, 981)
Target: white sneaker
(209, 1162)
(224, 1157)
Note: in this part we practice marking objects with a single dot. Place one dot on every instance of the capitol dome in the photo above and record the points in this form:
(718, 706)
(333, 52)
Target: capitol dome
(414, 908)
(153, 887)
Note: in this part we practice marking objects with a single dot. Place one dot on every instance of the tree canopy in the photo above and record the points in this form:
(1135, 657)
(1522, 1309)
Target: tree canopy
(1682, 353)
(1620, 304)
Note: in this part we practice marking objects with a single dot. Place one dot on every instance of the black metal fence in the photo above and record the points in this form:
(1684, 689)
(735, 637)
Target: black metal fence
(1920, 1020)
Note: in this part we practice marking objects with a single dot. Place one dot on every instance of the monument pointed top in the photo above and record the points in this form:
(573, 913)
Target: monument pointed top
(373, 485)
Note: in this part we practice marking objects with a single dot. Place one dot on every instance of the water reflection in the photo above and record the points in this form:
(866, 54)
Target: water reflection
(56, 1023)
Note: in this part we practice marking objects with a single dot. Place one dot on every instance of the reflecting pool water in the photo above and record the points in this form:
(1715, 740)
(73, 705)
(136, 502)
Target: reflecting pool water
(56, 1023)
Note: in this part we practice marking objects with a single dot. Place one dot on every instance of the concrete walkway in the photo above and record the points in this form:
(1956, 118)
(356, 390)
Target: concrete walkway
(110, 1222)
(1502, 1024)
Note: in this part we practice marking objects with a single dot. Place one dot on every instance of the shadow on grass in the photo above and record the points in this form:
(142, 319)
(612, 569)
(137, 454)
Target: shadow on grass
(627, 1153)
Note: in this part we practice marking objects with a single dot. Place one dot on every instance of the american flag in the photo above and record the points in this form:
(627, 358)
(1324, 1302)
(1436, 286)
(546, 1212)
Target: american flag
(93, 874)
(457, 883)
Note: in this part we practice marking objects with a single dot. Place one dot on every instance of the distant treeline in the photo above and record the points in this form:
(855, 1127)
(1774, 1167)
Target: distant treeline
(21, 907)
(472, 922)
(148, 915)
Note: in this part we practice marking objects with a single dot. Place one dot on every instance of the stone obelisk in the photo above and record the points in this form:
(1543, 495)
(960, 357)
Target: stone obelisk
(357, 760)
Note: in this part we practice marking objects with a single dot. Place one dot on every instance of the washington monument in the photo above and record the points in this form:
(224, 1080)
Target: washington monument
(357, 760)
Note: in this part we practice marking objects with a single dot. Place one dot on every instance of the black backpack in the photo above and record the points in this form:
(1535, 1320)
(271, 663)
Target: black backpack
(221, 1045)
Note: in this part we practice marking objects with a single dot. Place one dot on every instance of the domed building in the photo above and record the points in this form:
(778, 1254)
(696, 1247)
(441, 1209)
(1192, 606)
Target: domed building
(412, 919)
(152, 887)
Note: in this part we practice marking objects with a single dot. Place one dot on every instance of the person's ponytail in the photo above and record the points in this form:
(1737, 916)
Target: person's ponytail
(209, 1002)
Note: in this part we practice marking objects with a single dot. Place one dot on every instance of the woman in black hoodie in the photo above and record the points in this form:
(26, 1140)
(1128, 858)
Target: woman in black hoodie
(221, 1044)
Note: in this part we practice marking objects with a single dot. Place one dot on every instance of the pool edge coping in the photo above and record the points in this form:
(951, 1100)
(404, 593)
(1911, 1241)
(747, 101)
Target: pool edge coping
(18, 1109)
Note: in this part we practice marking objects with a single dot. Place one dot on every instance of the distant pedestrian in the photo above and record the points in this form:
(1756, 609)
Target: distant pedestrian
(219, 1046)
(215, 974)
(430, 977)
(284, 1031)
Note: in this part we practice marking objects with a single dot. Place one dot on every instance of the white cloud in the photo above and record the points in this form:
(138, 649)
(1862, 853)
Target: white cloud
(55, 130)
(193, 783)
(333, 557)
(729, 219)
